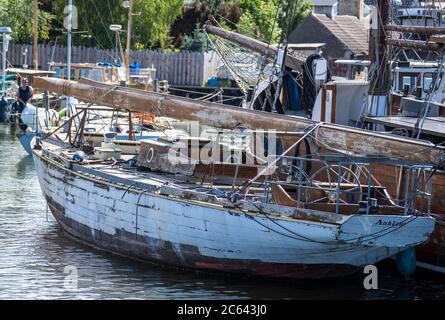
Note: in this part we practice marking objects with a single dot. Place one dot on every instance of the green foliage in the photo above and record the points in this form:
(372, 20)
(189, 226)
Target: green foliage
(93, 21)
(152, 27)
(19, 16)
(258, 19)
(262, 19)
(152, 21)
(195, 42)
(156, 23)
(265, 18)
(301, 10)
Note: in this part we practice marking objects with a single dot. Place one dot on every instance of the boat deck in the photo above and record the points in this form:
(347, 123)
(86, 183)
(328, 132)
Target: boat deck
(182, 187)
(432, 125)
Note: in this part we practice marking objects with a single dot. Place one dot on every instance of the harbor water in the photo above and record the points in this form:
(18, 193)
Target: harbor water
(37, 261)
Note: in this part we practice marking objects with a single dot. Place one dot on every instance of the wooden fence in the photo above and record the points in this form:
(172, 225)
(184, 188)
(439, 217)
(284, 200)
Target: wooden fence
(178, 68)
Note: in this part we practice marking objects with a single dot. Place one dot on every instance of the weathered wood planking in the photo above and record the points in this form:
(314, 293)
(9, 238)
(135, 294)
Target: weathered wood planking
(167, 229)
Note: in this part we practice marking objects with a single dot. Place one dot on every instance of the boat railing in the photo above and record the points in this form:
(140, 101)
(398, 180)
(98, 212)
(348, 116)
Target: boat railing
(338, 184)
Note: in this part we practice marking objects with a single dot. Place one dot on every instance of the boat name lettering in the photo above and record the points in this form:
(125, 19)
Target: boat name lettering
(391, 223)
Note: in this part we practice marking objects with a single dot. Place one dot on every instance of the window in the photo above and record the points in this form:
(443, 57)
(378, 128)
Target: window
(84, 73)
(73, 74)
(58, 72)
(429, 79)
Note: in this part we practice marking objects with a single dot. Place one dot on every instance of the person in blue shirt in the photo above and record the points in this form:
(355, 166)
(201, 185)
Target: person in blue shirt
(24, 95)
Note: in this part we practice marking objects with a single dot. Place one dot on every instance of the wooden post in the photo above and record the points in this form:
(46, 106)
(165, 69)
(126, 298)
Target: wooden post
(416, 44)
(130, 127)
(323, 104)
(415, 29)
(379, 85)
(127, 51)
(78, 139)
(36, 30)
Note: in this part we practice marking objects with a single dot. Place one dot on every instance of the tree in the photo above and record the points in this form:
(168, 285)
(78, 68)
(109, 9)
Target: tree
(152, 27)
(260, 19)
(152, 21)
(195, 42)
(300, 10)
(19, 16)
(266, 19)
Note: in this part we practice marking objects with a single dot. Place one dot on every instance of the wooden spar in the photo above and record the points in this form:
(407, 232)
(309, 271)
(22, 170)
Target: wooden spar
(415, 29)
(36, 48)
(128, 47)
(358, 141)
(380, 84)
(262, 48)
(415, 44)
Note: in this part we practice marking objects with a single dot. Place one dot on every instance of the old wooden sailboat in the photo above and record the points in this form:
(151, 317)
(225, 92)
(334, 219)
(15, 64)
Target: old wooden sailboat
(146, 207)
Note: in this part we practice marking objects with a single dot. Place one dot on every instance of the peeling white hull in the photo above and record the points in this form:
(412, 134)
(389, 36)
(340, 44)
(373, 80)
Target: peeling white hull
(150, 226)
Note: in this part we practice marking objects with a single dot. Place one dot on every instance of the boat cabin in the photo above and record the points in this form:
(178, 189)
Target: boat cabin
(416, 78)
(426, 15)
(83, 70)
(140, 78)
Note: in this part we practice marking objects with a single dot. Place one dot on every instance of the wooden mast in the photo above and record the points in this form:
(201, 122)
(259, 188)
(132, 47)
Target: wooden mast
(415, 44)
(128, 48)
(36, 21)
(415, 29)
(293, 61)
(379, 85)
(357, 141)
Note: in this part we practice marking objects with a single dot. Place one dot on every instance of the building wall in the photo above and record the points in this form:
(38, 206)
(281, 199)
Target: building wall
(330, 11)
(354, 8)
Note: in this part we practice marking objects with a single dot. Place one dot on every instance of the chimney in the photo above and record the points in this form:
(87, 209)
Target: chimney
(354, 8)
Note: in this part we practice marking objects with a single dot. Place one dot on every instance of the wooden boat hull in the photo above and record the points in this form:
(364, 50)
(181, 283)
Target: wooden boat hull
(430, 255)
(167, 253)
(186, 233)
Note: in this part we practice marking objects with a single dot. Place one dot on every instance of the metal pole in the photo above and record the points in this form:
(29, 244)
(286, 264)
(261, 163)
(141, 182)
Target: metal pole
(121, 51)
(36, 21)
(127, 52)
(68, 59)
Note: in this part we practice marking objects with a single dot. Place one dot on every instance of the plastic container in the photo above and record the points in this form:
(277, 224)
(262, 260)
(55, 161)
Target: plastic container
(135, 68)
(212, 82)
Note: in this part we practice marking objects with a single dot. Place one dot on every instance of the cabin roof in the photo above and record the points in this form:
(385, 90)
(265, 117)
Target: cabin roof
(79, 65)
(434, 126)
(29, 72)
(323, 2)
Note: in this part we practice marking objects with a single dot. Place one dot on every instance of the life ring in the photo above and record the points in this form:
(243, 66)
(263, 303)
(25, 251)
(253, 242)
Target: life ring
(150, 155)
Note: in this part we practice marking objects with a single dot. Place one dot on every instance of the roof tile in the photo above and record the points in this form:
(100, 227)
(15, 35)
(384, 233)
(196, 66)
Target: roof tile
(348, 29)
